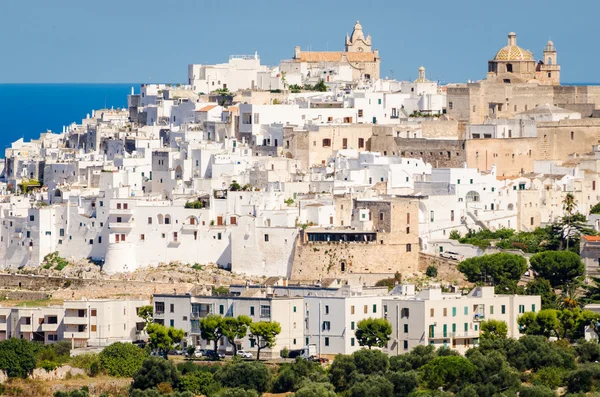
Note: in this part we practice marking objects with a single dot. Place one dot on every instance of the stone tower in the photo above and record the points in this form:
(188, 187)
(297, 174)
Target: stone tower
(549, 69)
(357, 41)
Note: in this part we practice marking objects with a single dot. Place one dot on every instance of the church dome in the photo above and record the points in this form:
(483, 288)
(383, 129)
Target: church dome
(512, 52)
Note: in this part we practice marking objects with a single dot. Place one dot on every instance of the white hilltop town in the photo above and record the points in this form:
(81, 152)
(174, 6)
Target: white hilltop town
(318, 175)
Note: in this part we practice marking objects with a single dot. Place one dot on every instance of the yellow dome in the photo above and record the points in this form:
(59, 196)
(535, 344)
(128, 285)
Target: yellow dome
(513, 53)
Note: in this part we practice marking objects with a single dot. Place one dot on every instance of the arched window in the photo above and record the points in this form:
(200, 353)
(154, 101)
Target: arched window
(167, 219)
(343, 266)
(161, 219)
(509, 67)
(510, 207)
(550, 61)
(472, 196)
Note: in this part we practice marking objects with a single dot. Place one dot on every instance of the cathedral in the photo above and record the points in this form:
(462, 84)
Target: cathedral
(358, 56)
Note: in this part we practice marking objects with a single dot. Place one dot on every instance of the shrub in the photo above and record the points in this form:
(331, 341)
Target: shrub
(455, 235)
(48, 365)
(122, 359)
(431, 271)
(90, 362)
(199, 382)
(238, 392)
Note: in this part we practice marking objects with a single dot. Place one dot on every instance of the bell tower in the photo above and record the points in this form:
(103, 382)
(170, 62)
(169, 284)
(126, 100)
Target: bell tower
(357, 41)
(548, 70)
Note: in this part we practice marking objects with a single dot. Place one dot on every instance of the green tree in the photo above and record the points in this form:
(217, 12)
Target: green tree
(314, 389)
(244, 374)
(17, 357)
(146, 313)
(542, 287)
(431, 271)
(162, 338)
(595, 209)
(404, 382)
(551, 377)
(587, 351)
(153, 372)
(373, 332)
(341, 372)
(234, 328)
(494, 329)
(210, 329)
(454, 235)
(495, 268)
(544, 323)
(122, 359)
(369, 362)
(199, 382)
(375, 385)
(536, 391)
(447, 372)
(572, 322)
(292, 376)
(558, 267)
(569, 206)
(265, 334)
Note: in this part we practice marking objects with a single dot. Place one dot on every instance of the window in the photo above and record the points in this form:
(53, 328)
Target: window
(352, 326)
(351, 309)
(172, 323)
(503, 309)
(445, 311)
(408, 247)
(252, 310)
(345, 143)
(405, 345)
(572, 135)
(404, 312)
(172, 308)
(94, 312)
(533, 307)
(450, 105)
(453, 312)
(266, 238)
(381, 216)
(351, 341)
(61, 233)
(221, 309)
(326, 341)
(361, 143)
(431, 312)
(294, 309)
(521, 309)
(142, 237)
(265, 311)
(453, 327)
(366, 309)
(94, 328)
(99, 239)
(408, 218)
(31, 218)
(149, 220)
(91, 241)
(432, 218)
(491, 309)
(374, 308)
(466, 327)
(466, 310)
(326, 309)
(531, 221)
(360, 113)
(159, 307)
(406, 328)
(326, 142)
(326, 325)
(118, 206)
(408, 230)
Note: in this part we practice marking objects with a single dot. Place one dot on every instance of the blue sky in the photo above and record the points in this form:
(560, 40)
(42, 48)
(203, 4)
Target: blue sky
(154, 40)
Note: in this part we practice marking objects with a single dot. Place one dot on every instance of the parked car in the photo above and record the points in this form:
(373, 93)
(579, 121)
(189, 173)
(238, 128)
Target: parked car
(176, 352)
(158, 354)
(455, 256)
(320, 360)
(244, 354)
(200, 353)
(211, 355)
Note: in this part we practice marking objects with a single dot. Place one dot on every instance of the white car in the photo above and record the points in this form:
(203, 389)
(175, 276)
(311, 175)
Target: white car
(244, 354)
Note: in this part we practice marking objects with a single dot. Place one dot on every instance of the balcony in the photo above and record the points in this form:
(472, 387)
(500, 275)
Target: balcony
(464, 335)
(189, 228)
(49, 327)
(120, 226)
(26, 328)
(3, 327)
(76, 335)
(479, 317)
(121, 211)
(76, 320)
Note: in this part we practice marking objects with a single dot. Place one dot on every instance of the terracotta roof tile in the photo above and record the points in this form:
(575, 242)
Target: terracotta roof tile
(594, 239)
(207, 108)
(335, 56)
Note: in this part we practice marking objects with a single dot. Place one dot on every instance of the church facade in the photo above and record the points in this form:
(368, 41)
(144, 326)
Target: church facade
(358, 61)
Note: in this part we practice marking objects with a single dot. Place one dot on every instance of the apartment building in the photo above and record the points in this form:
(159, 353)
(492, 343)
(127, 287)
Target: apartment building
(186, 311)
(100, 322)
(330, 321)
(451, 319)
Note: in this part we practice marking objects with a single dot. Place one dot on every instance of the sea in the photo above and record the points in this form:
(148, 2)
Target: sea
(26, 110)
